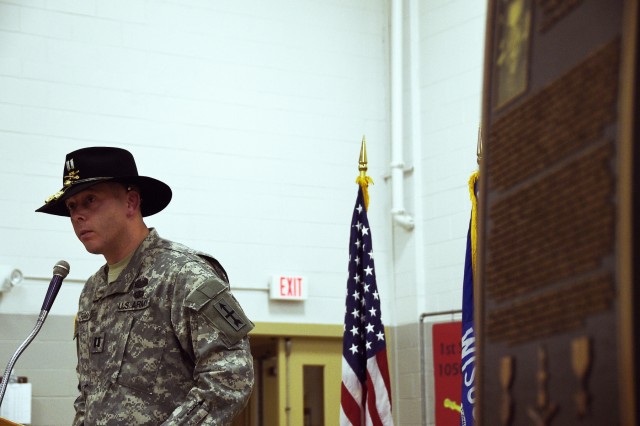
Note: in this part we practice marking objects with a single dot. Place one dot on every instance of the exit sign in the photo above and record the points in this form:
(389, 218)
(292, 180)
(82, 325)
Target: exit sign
(289, 287)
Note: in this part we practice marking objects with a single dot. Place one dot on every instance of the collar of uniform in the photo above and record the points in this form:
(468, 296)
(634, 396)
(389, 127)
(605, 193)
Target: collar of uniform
(124, 282)
(120, 285)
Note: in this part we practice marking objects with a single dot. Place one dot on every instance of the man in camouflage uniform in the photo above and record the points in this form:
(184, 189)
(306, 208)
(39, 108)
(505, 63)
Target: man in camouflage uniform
(160, 338)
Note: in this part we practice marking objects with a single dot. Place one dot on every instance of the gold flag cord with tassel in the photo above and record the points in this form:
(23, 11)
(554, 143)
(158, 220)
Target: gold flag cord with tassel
(474, 217)
(363, 180)
(474, 203)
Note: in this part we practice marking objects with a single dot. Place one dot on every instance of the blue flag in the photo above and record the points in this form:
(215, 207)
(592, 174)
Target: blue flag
(468, 355)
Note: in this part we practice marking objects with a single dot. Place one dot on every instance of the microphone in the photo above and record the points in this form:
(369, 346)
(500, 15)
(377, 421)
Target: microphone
(60, 272)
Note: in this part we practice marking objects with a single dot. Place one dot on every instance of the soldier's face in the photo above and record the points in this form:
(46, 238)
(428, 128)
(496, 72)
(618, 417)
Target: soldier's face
(98, 215)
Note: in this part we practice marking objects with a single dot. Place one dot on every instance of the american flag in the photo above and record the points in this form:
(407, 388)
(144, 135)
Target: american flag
(366, 390)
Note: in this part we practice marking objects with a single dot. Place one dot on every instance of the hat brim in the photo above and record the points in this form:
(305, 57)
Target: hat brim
(156, 195)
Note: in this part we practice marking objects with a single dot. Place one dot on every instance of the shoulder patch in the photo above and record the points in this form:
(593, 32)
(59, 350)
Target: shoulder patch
(213, 301)
(228, 308)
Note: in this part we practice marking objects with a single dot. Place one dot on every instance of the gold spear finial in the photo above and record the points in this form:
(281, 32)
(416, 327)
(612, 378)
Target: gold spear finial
(363, 180)
(362, 164)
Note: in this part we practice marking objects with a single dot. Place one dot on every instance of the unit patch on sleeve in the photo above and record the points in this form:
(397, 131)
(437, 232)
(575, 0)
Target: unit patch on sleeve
(214, 302)
(225, 307)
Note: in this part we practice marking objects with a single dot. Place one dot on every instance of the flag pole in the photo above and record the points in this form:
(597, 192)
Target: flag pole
(363, 180)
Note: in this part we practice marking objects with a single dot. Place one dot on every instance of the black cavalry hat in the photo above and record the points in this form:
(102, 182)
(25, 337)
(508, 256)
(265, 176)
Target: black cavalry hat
(89, 166)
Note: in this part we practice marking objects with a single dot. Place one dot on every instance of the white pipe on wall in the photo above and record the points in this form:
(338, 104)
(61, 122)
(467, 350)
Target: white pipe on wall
(398, 212)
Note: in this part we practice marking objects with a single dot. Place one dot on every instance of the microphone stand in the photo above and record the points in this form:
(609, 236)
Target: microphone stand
(18, 352)
(60, 271)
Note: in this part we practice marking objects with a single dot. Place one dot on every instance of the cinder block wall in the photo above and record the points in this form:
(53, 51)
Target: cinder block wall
(428, 261)
(253, 112)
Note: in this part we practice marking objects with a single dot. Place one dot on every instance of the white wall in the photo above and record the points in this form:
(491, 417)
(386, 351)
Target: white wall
(254, 117)
(451, 50)
(443, 65)
(251, 111)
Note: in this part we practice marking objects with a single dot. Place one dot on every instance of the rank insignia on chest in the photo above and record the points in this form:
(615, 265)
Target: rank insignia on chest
(97, 343)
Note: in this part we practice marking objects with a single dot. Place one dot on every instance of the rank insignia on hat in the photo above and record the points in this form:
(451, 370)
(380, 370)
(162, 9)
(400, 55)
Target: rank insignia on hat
(68, 180)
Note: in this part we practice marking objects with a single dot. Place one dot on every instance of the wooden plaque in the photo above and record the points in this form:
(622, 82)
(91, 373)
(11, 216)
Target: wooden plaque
(555, 312)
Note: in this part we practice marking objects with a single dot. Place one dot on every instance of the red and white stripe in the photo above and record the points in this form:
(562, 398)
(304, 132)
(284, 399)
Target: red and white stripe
(376, 409)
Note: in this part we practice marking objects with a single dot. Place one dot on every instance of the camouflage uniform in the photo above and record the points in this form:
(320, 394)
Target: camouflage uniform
(163, 344)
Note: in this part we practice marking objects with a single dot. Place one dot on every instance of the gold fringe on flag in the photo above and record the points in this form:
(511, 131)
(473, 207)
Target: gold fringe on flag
(363, 180)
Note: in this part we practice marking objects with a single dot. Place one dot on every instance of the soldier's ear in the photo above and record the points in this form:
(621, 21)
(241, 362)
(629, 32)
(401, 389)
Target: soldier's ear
(134, 200)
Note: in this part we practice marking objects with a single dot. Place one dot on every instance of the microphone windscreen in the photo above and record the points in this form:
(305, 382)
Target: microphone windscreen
(62, 269)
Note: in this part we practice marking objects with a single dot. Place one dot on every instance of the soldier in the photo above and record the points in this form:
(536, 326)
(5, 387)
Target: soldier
(160, 338)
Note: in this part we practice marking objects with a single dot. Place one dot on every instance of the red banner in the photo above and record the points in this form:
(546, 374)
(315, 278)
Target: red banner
(446, 372)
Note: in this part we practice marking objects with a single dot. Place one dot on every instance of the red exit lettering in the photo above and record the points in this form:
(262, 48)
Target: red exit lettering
(291, 286)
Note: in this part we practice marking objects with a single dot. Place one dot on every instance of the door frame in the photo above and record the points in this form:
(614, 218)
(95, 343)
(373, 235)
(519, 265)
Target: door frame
(291, 345)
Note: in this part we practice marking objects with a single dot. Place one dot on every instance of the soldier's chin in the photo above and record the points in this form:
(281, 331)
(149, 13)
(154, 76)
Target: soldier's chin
(91, 248)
